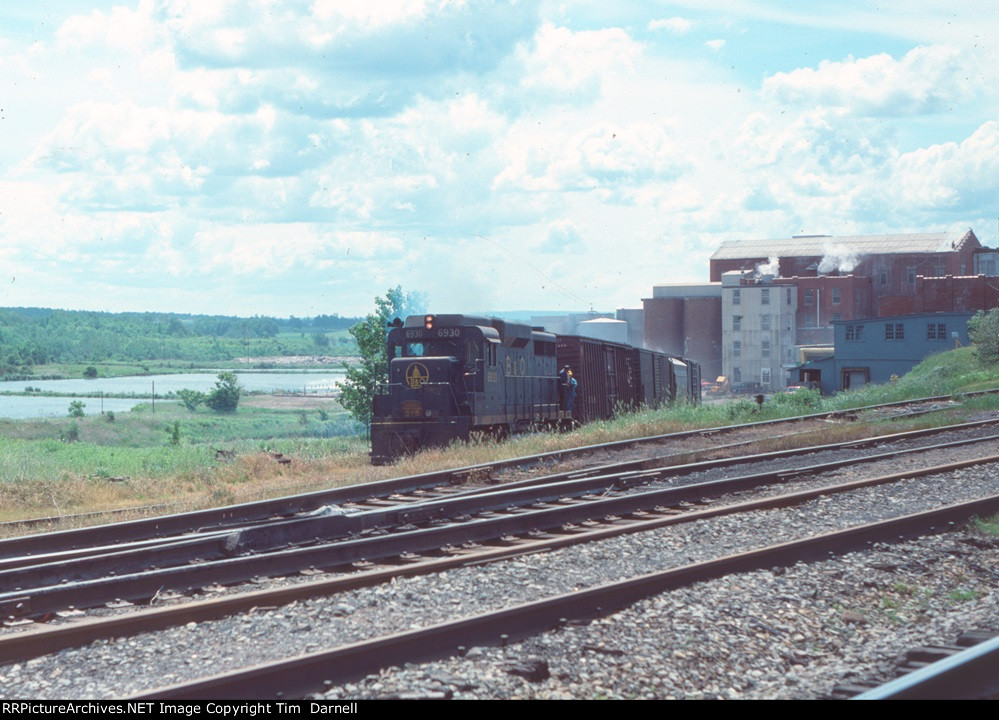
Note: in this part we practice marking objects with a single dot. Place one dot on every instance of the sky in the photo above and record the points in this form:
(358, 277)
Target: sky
(300, 158)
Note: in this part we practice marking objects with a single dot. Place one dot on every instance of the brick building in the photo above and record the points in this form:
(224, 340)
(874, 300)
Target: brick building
(832, 280)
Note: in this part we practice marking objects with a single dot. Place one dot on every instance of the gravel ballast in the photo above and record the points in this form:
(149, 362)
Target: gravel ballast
(786, 633)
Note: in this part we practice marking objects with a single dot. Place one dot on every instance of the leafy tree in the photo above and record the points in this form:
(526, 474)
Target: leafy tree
(191, 398)
(983, 329)
(225, 396)
(90, 373)
(357, 391)
(76, 408)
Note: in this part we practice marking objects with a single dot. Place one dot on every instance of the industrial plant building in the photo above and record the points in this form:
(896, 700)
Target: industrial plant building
(773, 304)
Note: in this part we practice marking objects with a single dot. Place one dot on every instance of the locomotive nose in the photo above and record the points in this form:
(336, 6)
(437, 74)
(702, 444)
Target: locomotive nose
(422, 386)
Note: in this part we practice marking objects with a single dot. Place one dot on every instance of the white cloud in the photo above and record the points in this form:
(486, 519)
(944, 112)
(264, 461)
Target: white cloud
(599, 156)
(675, 25)
(925, 80)
(563, 236)
(952, 176)
(564, 64)
(346, 147)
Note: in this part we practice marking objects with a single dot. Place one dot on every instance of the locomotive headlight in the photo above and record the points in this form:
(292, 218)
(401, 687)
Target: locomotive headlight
(428, 322)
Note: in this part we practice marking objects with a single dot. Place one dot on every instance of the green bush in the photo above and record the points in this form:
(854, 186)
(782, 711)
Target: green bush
(71, 433)
(76, 408)
(983, 329)
(225, 396)
(173, 433)
(191, 398)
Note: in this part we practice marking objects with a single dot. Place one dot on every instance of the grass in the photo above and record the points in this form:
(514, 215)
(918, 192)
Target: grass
(988, 526)
(131, 461)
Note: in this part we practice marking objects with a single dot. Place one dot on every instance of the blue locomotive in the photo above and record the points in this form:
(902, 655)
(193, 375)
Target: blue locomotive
(454, 375)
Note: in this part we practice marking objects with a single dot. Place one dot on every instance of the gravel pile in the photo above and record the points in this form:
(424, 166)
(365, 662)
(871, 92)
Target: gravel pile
(758, 635)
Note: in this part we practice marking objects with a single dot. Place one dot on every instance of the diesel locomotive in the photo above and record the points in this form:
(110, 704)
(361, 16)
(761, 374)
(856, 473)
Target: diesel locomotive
(454, 375)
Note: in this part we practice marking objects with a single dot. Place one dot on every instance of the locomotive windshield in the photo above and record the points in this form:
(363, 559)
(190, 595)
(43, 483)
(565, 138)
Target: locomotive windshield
(427, 348)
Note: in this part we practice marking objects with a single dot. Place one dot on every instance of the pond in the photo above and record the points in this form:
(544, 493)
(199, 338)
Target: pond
(311, 383)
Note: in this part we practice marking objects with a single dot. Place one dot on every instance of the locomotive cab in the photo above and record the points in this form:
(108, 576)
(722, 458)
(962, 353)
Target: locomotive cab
(436, 367)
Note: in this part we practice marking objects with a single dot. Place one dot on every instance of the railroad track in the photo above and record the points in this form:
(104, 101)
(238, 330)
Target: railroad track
(82, 578)
(531, 541)
(437, 482)
(68, 544)
(312, 673)
(514, 534)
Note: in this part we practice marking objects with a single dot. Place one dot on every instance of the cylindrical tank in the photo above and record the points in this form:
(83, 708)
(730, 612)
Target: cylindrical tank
(604, 329)
(664, 324)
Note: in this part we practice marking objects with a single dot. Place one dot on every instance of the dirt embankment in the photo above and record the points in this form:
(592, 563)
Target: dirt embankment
(298, 360)
(291, 402)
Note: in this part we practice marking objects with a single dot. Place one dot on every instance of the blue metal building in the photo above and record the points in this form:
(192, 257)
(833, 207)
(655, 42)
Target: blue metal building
(871, 351)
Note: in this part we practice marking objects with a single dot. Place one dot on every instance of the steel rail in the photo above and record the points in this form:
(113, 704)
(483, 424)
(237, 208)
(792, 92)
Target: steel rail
(167, 550)
(35, 571)
(38, 641)
(309, 673)
(662, 462)
(142, 585)
(192, 521)
(972, 674)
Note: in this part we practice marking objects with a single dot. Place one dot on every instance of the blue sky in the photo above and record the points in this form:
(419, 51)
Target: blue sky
(298, 158)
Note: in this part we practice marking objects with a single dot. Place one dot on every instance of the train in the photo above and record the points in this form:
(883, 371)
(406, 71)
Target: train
(453, 376)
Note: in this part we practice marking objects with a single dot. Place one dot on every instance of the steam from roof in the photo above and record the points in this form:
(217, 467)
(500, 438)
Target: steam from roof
(771, 267)
(839, 258)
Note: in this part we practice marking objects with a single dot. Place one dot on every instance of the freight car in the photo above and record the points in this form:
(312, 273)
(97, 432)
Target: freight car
(454, 375)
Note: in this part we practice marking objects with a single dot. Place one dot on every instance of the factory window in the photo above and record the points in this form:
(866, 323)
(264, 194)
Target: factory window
(737, 323)
(765, 347)
(737, 348)
(936, 331)
(765, 298)
(836, 317)
(835, 296)
(910, 275)
(809, 296)
(737, 375)
(789, 296)
(737, 297)
(765, 376)
(894, 331)
(765, 322)
(939, 270)
(855, 333)
(883, 276)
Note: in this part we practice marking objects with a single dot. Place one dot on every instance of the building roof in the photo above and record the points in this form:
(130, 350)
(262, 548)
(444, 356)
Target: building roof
(820, 245)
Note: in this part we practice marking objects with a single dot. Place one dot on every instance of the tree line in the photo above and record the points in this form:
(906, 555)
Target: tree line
(37, 336)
